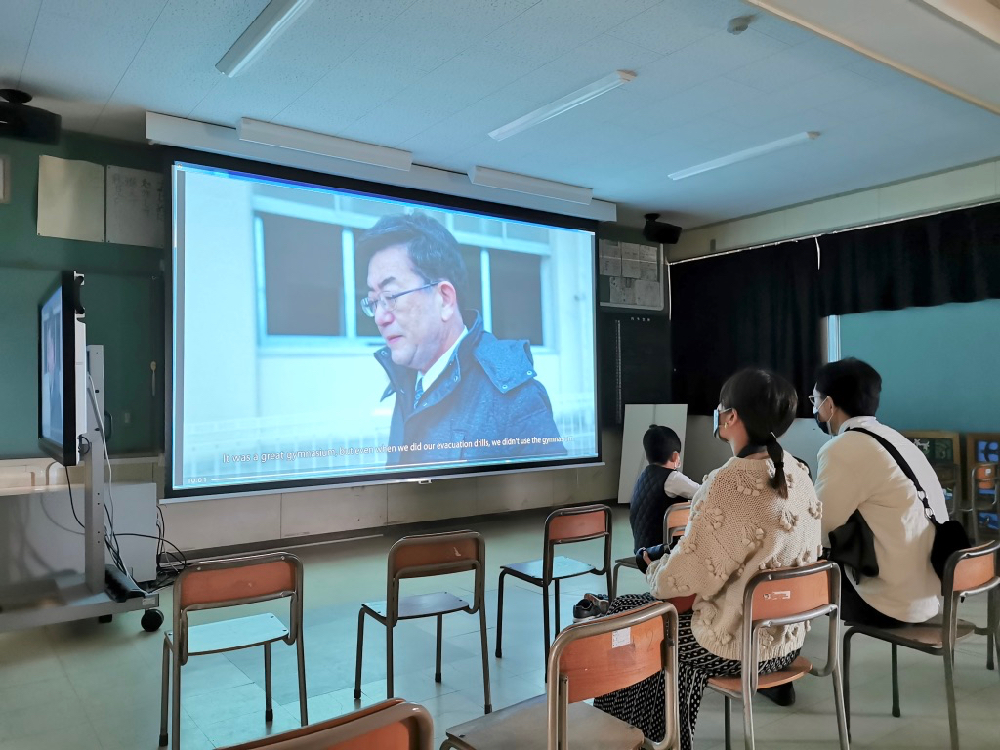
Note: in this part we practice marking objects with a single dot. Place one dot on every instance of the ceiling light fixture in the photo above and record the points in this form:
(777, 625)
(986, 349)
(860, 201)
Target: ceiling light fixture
(981, 16)
(520, 183)
(578, 97)
(269, 134)
(750, 153)
(259, 35)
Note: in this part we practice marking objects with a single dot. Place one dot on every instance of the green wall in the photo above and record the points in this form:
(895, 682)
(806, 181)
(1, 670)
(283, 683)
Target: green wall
(940, 365)
(123, 296)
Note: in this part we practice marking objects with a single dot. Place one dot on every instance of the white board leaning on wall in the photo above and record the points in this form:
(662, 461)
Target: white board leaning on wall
(638, 418)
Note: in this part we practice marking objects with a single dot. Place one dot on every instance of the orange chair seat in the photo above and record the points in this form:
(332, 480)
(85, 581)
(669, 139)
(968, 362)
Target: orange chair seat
(562, 567)
(798, 668)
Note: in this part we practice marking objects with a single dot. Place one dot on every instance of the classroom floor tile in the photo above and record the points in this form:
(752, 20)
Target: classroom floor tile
(87, 686)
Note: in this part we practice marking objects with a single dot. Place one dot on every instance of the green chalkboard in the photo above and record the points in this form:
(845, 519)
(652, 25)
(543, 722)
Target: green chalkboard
(123, 296)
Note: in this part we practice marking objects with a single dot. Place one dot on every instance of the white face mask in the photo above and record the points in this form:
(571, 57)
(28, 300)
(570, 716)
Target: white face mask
(715, 423)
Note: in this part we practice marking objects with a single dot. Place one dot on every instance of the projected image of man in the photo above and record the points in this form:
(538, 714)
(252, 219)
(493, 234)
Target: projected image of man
(461, 393)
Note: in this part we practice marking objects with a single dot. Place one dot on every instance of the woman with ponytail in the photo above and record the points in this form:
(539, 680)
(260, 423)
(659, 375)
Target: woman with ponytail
(758, 511)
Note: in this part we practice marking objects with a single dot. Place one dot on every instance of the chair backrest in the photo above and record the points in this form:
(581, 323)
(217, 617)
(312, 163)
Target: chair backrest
(610, 653)
(570, 525)
(390, 725)
(972, 571)
(423, 555)
(675, 521)
(238, 580)
(785, 596)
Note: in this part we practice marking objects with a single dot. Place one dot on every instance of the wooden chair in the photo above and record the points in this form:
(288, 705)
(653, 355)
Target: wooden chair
(419, 557)
(588, 659)
(226, 583)
(391, 725)
(564, 526)
(783, 597)
(968, 572)
(674, 523)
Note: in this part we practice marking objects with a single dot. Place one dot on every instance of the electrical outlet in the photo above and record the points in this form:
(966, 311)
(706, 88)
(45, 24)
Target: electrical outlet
(127, 418)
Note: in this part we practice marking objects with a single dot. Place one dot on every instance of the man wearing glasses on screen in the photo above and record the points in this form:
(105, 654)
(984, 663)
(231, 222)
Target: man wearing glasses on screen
(459, 389)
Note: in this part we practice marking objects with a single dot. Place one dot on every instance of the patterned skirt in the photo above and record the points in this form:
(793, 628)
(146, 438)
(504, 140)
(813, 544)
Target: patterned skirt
(642, 704)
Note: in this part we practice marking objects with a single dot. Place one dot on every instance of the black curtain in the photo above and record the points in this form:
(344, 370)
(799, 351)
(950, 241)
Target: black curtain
(951, 257)
(757, 308)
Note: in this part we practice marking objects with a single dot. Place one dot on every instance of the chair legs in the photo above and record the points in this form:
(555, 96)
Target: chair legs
(499, 649)
(484, 647)
(300, 654)
(390, 671)
(437, 673)
(748, 738)
(164, 693)
(558, 626)
(545, 626)
(838, 697)
(175, 715)
(268, 713)
(613, 590)
(949, 687)
(895, 684)
(846, 656)
(357, 660)
(728, 707)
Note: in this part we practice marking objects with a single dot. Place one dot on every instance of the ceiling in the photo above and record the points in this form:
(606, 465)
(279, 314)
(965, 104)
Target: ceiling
(435, 76)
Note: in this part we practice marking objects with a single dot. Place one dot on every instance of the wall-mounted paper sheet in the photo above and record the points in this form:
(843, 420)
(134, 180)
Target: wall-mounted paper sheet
(70, 199)
(136, 207)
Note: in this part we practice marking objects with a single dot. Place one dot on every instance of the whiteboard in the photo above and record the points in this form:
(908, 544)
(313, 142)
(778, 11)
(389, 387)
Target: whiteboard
(136, 207)
(638, 418)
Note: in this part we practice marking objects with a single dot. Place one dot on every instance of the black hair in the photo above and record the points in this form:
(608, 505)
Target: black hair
(854, 386)
(660, 443)
(433, 250)
(766, 403)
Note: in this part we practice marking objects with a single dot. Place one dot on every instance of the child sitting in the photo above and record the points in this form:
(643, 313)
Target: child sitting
(660, 485)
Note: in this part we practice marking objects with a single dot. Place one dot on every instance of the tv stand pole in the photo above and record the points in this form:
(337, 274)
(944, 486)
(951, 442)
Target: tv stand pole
(93, 465)
(67, 597)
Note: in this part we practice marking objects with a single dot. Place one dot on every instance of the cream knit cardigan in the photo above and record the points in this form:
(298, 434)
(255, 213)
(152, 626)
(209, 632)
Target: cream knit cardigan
(738, 526)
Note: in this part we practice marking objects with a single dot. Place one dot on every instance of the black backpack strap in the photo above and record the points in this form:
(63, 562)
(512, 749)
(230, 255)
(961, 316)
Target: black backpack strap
(905, 467)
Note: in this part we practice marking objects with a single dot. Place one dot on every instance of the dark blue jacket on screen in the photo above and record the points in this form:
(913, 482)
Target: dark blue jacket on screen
(485, 405)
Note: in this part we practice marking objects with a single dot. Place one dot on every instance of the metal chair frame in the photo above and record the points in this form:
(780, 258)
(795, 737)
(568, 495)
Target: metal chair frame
(548, 577)
(176, 642)
(356, 730)
(558, 683)
(671, 533)
(949, 631)
(749, 676)
(454, 564)
(973, 508)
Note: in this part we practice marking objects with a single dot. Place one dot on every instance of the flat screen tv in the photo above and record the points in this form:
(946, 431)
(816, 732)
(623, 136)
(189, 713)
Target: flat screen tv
(62, 369)
(326, 331)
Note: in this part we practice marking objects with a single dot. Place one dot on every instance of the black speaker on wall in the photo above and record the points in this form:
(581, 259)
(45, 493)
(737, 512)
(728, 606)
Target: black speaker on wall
(635, 362)
(659, 231)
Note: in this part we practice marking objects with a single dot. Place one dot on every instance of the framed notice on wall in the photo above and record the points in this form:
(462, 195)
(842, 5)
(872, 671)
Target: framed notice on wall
(631, 275)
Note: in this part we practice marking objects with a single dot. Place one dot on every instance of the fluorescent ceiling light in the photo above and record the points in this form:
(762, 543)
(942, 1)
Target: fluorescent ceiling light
(520, 183)
(581, 96)
(981, 16)
(259, 35)
(269, 134)
(750, 153)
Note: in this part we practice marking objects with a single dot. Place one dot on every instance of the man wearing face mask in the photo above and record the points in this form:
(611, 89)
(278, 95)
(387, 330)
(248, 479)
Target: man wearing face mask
(857, 474)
